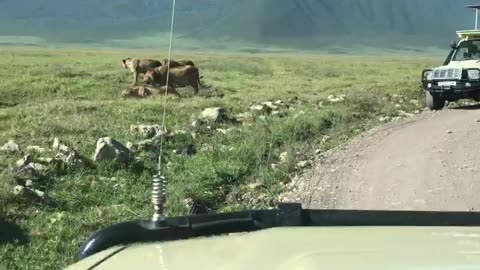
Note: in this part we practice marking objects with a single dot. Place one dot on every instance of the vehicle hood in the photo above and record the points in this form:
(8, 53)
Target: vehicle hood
(305, 248)
(463, 64)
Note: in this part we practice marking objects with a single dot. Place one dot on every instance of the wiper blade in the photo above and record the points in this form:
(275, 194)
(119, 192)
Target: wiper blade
(291, 215)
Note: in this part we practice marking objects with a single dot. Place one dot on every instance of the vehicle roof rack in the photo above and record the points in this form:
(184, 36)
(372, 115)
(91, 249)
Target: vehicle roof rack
(477, 8)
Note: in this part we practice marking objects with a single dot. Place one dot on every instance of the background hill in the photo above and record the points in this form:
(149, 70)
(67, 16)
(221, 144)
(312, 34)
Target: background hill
(305, 24)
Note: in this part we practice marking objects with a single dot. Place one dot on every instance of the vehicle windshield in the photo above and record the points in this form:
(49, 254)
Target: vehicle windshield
(468, 50)
(107, 110)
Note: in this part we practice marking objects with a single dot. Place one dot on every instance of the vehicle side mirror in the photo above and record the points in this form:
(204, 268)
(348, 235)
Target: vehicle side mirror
(453, 45)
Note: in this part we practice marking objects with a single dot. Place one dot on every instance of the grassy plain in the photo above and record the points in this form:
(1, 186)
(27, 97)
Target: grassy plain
(74, 95)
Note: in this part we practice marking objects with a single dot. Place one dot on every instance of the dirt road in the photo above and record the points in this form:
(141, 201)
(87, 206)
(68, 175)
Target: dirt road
(428, 163)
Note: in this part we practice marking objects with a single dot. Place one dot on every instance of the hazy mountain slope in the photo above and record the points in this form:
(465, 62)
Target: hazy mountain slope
(261, 21)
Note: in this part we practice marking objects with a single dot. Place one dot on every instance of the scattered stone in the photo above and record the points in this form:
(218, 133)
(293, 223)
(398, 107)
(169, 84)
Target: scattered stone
(57, 145)
(325, 139)
(384, 118)
(478, 120)
(398, 106)
(24, 161)
(29, 194)
(303, 164)
(149, 145)
(283, 157)
(109, 149)
(269, 108)
(415, 102)
(130, 146)
(245, 118)
(260, 109)
(336, 99)
(71, 158)
(398, 118)
(148, 131)
(216, 114)
(39, 168)
(449, 131)
(225, 131)
(254, 186)
(405, 114)
(25, 172)
(29, 183)
(262, 117)
(197, 123)
(188, 150)
(270, 105)
(37, 149)
(10, 147)
(146, 146)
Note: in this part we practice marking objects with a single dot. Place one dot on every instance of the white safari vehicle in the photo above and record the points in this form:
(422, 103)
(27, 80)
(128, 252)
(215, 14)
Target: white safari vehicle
(459, 76)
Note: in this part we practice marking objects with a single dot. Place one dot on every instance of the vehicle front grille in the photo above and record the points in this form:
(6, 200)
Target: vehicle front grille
(447, 74)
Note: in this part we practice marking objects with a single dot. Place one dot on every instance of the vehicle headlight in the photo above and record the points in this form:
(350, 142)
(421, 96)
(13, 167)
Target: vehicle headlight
(474, 74)
(429, 75)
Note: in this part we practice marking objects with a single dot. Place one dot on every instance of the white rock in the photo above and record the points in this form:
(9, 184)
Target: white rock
(148, 131)
(24, 161)
(57, 145)
(10, 147)
(303, 164)
(39, 168)
(109, 149)
(216, 114)
(283, 157)
(336, 99)
(28, 193)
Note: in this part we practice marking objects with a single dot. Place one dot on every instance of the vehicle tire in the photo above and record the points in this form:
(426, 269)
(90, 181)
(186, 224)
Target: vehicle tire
(434, 102)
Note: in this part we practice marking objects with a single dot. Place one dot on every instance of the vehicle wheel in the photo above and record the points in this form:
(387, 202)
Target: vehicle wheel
(434, 102)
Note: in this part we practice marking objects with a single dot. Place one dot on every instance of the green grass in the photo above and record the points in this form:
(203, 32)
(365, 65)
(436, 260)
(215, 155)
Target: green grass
(74, 95)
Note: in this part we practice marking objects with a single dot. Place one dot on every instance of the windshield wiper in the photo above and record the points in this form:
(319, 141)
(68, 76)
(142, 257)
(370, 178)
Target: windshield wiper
(287, 215)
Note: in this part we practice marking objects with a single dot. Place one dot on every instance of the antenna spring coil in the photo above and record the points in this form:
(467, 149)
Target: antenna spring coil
(158, 196)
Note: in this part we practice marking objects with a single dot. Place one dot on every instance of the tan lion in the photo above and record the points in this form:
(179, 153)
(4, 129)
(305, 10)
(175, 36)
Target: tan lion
(179, 77)
(181, 63)
(139, 66)
(144, 92)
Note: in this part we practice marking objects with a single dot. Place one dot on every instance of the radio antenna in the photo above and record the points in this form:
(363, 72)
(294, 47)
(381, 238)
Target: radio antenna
(159, 181)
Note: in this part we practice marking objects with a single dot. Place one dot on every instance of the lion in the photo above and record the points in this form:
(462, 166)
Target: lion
(179, 77)
(144, 92)
(140, 66)
(174, 64)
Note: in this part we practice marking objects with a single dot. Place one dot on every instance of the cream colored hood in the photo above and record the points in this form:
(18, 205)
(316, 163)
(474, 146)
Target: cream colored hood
(307, 248)
(463, 64)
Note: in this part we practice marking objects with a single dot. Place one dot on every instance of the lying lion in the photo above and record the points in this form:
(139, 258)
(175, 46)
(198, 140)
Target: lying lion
(144, 92)
(179, 77)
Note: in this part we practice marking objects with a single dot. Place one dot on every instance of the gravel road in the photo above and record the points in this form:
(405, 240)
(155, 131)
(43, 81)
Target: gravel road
(431, 162)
